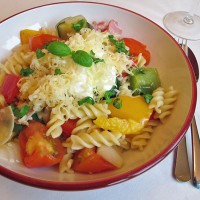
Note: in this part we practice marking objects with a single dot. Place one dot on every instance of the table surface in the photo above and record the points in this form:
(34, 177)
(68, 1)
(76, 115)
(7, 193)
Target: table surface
(155, 184)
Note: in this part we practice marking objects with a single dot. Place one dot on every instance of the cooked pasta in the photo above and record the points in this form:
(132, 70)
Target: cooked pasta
(140, 60)
(95, 138)
(91, 111)
(20, 58)
(141, 140)
(157, 100)
(170, 96)
(66, 163)
(50, 31)
(55, 122)
(82, 125)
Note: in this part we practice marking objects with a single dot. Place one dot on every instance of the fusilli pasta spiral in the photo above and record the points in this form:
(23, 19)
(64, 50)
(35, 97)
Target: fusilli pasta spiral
(139, 141)
(91, 111)
(170, 96)
(157, 100)
(66, 163)
(95, 138)
(55, 122)
(20, 58)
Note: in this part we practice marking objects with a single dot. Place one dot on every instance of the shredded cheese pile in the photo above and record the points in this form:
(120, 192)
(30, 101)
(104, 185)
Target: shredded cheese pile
(45, 88)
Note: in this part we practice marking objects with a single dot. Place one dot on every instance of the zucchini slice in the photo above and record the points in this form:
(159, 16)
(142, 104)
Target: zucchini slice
(70, 25)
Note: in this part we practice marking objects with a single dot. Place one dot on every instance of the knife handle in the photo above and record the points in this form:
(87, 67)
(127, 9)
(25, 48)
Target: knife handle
(181, 168)
(196, 154)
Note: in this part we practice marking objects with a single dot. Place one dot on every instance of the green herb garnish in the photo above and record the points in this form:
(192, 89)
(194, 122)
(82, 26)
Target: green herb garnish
(26, 71)
(58, 71)
(95, 60)
(110, 94)
(117, 103)
(19, 113)
(79, 25)
(39, 53)
(88, 100)
(120, 45)
(148, 98)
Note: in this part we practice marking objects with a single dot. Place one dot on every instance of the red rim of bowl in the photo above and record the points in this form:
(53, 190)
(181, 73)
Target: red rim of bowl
(64, 186)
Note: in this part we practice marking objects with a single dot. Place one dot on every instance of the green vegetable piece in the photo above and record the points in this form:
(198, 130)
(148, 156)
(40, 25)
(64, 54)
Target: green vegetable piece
(39, 53)
(120, 45)
(36, 118)
(88, 100)
(26, 71)
(148, 98)
(58, 71)
(18, 128)
(71, 25)
(58, 48)
(79, 25)
(82, 58)
(144, 80)
(95, 60)
(110, 94)
(19, 113)
(117, 103)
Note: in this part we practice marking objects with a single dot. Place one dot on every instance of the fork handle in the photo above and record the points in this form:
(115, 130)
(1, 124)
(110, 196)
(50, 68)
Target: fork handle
(181, 168)
(196, 153)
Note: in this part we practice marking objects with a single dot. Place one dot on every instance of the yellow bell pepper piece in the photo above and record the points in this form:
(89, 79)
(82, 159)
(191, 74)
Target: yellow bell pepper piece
(132, 108)
(124, 126)
(26, 34)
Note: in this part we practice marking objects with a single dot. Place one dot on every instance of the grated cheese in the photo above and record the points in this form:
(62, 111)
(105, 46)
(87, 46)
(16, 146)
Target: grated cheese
(44, 88)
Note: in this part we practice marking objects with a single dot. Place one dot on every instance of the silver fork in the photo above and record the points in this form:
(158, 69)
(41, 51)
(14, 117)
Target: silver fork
(182, 170)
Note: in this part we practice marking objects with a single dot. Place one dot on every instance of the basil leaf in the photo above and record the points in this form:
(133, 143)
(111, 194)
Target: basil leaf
(26, 71)
(117, 103)
(88, 100)
(58, 48)
(82, 58)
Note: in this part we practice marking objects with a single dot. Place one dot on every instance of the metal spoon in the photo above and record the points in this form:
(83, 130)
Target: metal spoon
(182, 170)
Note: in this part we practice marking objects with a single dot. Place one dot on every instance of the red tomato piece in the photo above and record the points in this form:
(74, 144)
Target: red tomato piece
(88, 161)
(9, 87)
(136, 47)
(38, 41)
(38, 150)
(68, 127)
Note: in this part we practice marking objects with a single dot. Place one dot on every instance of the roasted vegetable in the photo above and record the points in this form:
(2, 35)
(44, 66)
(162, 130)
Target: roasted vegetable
(132, 108)
(26, 34)
(71, 25)
(144, 80)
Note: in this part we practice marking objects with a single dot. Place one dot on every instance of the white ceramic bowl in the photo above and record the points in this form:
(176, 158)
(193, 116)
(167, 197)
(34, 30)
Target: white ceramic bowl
(174, 69)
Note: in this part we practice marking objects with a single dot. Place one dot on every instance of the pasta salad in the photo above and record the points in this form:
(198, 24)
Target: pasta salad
(80, 95)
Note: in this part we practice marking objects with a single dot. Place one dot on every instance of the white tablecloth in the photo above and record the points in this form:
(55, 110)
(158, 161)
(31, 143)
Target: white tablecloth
(155, 184)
